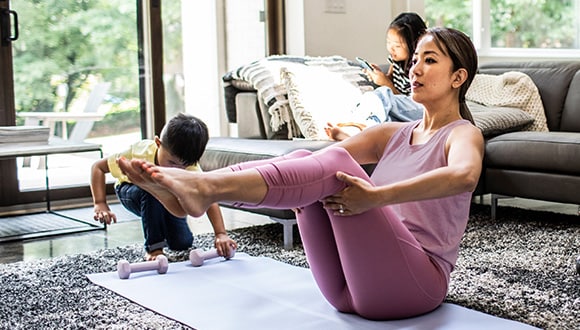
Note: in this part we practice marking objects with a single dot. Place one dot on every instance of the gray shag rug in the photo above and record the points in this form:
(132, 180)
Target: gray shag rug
(519, 267)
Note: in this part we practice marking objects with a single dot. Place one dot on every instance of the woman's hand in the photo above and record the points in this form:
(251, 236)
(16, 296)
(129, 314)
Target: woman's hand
(357, 198)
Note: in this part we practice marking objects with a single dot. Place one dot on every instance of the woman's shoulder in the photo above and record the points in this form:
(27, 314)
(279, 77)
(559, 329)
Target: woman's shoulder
(464, 130)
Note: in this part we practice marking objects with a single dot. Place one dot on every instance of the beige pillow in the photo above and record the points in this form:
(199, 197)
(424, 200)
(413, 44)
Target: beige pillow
(317, 96)
(511, 89)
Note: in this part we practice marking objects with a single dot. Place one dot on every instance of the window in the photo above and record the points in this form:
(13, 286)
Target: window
(74, 57)
(522, 27)
(66, 52)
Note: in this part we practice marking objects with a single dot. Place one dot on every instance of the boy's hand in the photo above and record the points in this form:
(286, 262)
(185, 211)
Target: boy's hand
(103, 214)
(223, 244)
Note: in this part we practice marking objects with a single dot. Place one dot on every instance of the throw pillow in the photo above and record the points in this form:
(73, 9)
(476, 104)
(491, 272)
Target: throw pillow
(318, 96)
(497, 120)
(511, 89)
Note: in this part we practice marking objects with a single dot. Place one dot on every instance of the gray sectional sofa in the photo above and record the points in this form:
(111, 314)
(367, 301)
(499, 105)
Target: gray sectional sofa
(528, 164)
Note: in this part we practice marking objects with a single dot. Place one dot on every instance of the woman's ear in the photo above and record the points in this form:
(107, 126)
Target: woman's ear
(460, 76)
(157, 141)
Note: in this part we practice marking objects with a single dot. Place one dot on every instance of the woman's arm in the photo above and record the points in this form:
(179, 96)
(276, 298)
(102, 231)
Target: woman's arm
(367, 147)
(464, 150)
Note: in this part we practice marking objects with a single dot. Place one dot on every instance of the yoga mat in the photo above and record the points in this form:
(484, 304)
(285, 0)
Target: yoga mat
(261, 293)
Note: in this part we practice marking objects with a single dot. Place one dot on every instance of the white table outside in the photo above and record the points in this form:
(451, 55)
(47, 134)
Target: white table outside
(51, 118)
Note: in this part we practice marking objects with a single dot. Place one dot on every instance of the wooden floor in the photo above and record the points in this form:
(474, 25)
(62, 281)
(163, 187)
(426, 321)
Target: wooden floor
(128, 231)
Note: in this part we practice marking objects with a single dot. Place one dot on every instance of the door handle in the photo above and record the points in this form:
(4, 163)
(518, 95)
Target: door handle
(5, 26)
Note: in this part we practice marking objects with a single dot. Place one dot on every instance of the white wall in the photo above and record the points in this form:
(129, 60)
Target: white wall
(202, 95)
(359, 31)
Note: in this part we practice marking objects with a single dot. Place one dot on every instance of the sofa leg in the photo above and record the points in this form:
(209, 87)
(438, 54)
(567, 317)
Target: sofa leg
(288, 226)
(494, 200)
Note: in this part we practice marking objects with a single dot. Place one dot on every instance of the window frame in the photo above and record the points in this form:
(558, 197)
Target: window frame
(482, 41)
(481, 36)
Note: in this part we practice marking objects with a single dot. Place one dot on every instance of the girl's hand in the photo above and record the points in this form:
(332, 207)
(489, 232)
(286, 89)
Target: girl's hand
(357, 198)
(377, 76)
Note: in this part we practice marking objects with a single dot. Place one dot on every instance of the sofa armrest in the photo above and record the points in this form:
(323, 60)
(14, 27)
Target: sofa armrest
(249, 116)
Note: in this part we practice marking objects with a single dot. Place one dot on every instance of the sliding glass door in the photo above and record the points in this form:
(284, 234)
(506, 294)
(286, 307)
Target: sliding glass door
(75, 69)
(125, 66)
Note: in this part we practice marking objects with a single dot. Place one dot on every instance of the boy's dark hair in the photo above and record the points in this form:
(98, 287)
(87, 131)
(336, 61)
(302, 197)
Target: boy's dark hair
(185, 137)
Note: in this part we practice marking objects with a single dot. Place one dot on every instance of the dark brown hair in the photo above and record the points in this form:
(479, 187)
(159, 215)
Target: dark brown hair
(410, 26)
(460, 49)
(185, 137)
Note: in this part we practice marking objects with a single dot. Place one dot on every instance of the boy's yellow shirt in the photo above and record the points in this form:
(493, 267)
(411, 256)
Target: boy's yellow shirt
(144, 149)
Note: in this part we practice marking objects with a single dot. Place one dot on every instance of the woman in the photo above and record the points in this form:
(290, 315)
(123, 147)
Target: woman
(382, 247)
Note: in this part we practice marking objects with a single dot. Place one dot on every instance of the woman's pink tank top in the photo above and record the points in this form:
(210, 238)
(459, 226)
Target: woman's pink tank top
(437, 224)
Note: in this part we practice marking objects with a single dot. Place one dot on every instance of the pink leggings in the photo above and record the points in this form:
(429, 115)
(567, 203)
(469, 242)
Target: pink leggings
(368, 264)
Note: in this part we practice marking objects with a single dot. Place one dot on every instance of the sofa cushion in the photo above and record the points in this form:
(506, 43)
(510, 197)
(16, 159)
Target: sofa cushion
(510, 89)
(544, 152)
(493, 121)
(225, 151)
(571, 113)
(318, 96)
(552, 78)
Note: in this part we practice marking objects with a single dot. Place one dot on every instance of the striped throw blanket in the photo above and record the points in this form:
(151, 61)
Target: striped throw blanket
(264, 76)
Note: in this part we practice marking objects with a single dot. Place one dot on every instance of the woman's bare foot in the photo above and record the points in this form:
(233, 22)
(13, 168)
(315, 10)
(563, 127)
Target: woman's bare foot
(150, 256)
(135, 172)
(170, 185)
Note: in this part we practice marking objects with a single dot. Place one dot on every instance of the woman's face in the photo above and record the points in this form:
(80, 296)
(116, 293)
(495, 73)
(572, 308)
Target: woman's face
(431, 74)
(396, 46)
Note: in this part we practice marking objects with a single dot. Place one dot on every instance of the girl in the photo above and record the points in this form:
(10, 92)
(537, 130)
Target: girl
(390, 101)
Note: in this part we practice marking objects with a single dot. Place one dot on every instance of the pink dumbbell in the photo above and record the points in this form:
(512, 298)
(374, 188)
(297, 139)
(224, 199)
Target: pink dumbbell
(124, 268)
(198, 256)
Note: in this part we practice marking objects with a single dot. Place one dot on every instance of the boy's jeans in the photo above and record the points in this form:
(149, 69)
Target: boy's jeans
(160, 228)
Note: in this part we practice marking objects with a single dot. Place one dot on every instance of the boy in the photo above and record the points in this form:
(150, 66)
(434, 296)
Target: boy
(181, 144)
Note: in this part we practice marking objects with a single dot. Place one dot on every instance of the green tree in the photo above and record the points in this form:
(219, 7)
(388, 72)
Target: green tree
(73, 43)
(449, 13)
(514, 23)
(533, 23)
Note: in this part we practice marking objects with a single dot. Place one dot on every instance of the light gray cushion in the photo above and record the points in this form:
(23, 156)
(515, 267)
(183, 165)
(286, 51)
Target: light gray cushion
(497, 120)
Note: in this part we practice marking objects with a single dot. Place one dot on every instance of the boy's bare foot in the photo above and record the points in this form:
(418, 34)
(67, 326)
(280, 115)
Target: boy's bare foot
(135, 172)
(150, 256)
(170, 185)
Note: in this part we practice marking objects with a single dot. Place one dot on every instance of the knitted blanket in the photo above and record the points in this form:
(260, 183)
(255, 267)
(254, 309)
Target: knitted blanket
(510, 89)
(264, 76)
